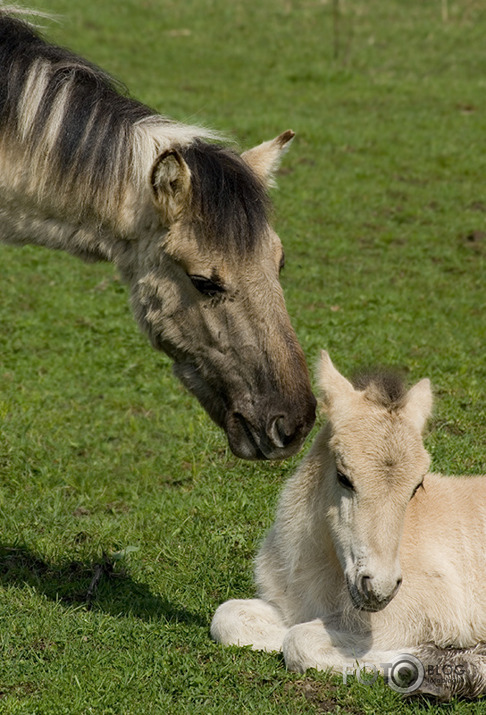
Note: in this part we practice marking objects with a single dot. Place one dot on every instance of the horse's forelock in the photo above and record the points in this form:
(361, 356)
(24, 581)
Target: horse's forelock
(229, 202)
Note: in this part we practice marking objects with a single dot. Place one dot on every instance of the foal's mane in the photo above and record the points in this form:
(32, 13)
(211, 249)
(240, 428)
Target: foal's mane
(383, 387)
(85, 143)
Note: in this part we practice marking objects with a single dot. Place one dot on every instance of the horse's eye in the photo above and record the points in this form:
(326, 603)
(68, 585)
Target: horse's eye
(282, 263)
(417, 488)
(206, 286)
(344, 481)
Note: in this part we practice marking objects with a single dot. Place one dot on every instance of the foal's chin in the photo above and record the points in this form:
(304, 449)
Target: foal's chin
(372, 607)
(367, 605)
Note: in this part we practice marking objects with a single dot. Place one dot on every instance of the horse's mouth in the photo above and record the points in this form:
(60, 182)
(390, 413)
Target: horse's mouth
(246, 428)
(249, 442)
(245, 445)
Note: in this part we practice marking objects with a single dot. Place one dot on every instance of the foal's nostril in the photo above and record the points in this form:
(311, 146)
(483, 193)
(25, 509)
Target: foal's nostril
(365, 586)
(397, 586)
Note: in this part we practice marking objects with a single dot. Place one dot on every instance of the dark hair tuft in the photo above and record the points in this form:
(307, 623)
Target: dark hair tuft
(386, 387)
(228, 200)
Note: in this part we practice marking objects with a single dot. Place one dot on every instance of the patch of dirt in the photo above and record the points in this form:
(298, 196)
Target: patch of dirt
(475, 236)
(324, 697)
(18, 690)
(81, 511)
(478, 206)
(475, 240)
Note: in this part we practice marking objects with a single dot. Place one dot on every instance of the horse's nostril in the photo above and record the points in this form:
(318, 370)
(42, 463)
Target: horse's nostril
(277, 431)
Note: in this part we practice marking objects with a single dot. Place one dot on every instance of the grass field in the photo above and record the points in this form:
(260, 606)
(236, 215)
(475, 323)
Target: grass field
(382, 210)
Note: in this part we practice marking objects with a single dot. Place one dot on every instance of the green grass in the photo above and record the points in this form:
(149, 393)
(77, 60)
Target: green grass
(381, 207)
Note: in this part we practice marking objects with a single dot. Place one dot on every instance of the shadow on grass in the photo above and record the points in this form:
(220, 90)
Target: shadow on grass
(96, 584)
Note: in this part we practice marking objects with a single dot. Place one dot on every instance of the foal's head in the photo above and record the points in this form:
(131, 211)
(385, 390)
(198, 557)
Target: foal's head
(207, 292)
(377, 463)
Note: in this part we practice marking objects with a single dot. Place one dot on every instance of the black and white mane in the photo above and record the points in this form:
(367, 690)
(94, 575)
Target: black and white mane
(73, 137)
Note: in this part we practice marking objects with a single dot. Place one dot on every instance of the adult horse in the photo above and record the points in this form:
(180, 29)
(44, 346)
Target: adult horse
(372, 560)
(87, 170)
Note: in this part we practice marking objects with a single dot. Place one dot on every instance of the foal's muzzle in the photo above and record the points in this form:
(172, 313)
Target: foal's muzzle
(367, 597)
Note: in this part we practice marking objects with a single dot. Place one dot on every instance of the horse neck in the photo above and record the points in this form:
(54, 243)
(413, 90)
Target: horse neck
(23, 224)
(39, 206)
(52, 221)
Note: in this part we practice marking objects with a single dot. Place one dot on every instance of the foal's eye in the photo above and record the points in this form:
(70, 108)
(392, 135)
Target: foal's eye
(281, 265)
(206, 286)
(344, 481)
(417, 488)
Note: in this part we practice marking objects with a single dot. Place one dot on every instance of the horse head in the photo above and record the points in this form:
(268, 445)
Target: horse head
(376, 464)
(87, 170)
(206, 291)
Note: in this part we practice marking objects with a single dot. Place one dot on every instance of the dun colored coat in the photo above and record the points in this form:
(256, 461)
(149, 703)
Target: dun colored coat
(87, 170)
(371, 558)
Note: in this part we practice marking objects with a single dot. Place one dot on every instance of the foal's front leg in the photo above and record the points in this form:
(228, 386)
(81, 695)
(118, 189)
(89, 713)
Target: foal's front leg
(441, 672)
(312, 645)
(249, 622)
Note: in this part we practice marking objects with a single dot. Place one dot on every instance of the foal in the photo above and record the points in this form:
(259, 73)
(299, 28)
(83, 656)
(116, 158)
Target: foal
(370, 555)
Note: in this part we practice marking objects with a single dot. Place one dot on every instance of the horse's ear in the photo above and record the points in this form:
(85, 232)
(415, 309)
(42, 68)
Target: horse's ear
(171, 184)
(418, 403)
(332, 385)
(265, 158)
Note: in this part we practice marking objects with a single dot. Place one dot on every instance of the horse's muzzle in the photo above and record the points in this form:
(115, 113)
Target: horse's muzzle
(281, 436)
(255, 428)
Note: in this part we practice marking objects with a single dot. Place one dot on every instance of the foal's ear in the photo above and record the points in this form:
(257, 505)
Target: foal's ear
(265, 158)
(418, 403)
(332, 385)
(171, 184)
